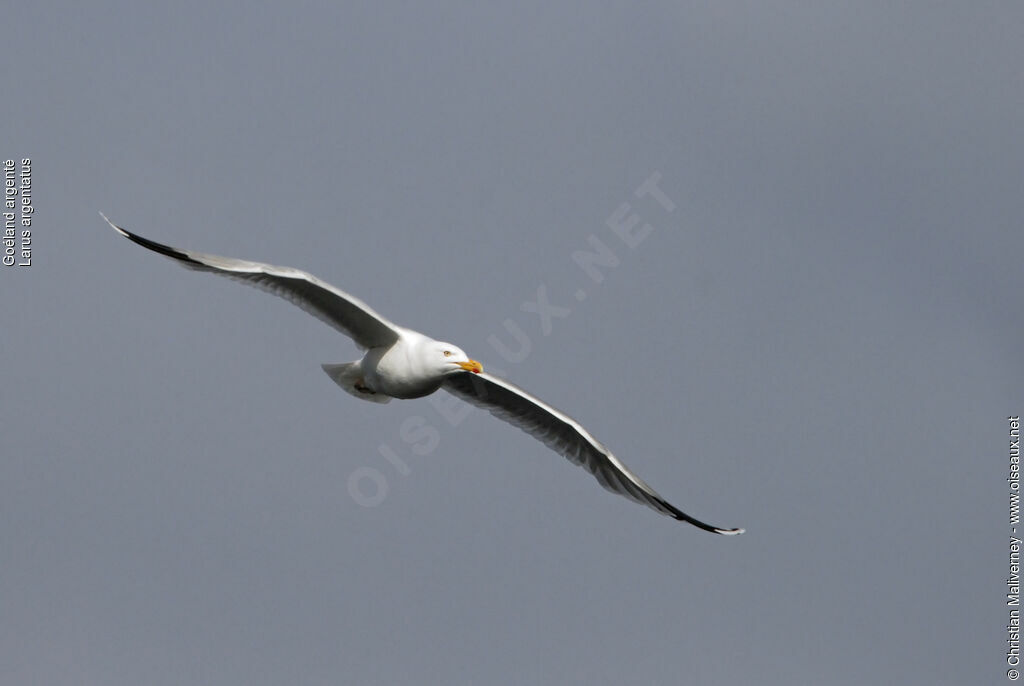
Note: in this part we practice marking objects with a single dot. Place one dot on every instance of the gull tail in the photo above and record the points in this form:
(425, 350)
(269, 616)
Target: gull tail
(349, 376)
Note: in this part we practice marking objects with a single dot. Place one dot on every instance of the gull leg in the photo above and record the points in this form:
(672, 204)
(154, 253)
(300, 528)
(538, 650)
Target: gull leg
(350, 377)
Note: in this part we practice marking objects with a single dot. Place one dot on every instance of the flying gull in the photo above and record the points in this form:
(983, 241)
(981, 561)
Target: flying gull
(401, 363)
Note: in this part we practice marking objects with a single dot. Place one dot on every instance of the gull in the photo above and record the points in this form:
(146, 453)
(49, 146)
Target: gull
(402, 363)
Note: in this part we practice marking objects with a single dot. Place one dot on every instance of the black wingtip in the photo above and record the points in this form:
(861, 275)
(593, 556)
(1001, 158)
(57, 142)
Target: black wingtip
(152, 245)
(707, 527)
(681, 516)
(114, 226)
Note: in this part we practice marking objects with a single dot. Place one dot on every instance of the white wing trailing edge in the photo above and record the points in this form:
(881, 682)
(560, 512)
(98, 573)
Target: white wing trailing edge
(348, 314)
(565, 436)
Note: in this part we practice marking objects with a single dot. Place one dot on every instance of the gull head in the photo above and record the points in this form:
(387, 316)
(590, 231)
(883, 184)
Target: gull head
(450, 359)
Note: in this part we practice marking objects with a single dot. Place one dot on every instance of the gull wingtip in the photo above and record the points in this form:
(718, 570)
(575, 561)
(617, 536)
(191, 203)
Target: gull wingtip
(114, 226)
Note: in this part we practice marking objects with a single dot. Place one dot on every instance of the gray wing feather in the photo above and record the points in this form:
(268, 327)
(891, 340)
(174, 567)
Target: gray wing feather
(565, 436)
(346, 313)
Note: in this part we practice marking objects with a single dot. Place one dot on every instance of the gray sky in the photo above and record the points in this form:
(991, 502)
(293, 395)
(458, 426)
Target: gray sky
(820, 343)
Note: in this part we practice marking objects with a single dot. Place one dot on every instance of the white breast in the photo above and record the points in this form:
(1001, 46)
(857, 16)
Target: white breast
(401, 371)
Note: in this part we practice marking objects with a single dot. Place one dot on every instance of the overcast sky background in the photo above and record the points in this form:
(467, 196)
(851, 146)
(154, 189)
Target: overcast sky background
(820, 343)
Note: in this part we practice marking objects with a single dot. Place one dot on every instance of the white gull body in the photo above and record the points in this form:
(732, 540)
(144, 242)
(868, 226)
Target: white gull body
(401, 363)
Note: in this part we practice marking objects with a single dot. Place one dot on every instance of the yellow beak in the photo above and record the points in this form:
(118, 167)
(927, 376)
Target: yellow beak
(471, 366)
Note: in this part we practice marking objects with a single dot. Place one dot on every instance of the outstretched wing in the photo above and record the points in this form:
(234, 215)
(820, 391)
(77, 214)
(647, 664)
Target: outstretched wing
(349, 315)
(564, 435)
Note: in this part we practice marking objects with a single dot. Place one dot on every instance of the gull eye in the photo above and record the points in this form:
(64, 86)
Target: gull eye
(447, 353)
